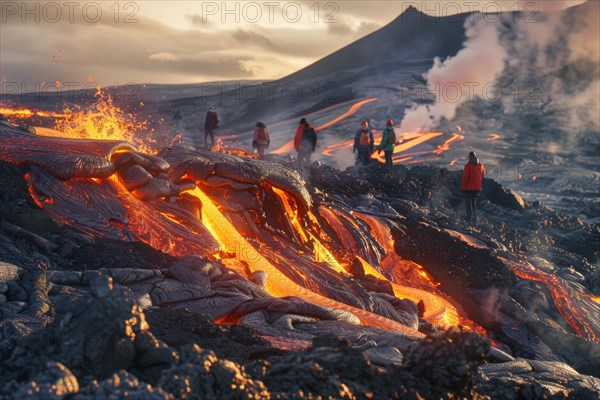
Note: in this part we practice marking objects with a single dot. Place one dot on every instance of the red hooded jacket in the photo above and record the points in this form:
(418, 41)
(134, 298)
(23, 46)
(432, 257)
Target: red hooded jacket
(472, 177)
(299, 135)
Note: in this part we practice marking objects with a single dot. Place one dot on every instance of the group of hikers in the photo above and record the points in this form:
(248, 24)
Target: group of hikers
(305, 139)
(364, 143)
(305, 143)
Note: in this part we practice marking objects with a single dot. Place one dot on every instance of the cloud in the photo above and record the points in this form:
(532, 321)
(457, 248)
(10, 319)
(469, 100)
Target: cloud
(147, 51)
(199, 21)
(585, 42)
(354, 31)
(164, 56)
(254, 39)
(152, 51)
(340, 29)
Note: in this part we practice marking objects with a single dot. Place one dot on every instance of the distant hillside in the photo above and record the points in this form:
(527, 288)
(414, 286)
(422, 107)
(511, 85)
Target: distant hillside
(411, 36)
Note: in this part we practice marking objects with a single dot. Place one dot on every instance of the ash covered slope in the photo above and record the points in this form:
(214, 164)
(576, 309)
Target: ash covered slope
(395, 53)
(412, 37)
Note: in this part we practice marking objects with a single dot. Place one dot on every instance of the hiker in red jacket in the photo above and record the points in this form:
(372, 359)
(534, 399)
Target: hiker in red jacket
(261, 140)
(472, 180)
(305, 142)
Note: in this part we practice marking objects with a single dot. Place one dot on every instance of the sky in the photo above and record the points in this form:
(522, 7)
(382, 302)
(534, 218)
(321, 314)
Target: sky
(83, 43)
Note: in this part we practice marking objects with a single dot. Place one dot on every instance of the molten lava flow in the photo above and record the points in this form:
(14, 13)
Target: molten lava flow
(438, 310)
(24, 113)
(277, 283)
(494, 136)
(574, 306)
(292, 213)
(347, 114)
(446, 145)
(410, 140)
(221, 147)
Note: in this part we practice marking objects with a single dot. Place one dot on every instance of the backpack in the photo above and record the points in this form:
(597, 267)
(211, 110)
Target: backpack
(214, 119)
(391, 139)
(364, 139)
(309, 136)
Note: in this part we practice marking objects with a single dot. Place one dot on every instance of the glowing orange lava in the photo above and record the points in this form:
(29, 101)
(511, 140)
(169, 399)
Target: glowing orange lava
(446, 145)
(277, 283)
(564, 299)
(22, 113)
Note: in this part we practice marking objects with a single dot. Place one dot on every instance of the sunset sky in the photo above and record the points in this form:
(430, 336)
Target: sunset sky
(110, 42)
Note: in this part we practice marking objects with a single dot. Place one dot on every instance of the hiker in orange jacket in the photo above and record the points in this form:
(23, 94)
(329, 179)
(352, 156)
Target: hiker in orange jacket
(261, 140)
(305, 142)
(364, 144)
(471, 184)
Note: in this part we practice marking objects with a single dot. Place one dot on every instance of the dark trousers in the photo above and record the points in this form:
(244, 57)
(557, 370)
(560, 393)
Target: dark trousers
(364, 156)
(261, 151)
(471, 201)
(388, 159)
(304, 158)
(209, 133)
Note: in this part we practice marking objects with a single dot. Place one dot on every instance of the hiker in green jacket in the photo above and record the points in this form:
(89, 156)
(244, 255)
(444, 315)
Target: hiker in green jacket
(388, 142)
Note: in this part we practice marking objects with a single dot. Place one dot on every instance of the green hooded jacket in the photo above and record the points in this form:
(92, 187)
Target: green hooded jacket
(384, 145)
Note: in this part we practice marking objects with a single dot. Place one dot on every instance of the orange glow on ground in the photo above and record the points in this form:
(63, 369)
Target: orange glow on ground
(23, 113)
(277, 283)
(562, 297)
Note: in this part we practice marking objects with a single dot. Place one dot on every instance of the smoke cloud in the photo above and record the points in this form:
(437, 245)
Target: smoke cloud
(459, 79)
(566, 54)
(558, 52)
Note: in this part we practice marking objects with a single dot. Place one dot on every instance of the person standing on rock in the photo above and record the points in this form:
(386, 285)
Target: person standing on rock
(305, 142)
(210, 124)
(388, 142)
(261, 140)
(364, 144)
(471, 184)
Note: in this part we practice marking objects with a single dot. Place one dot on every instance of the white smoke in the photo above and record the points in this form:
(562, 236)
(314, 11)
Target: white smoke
(560, 51)
(566, 50)
(459, 79)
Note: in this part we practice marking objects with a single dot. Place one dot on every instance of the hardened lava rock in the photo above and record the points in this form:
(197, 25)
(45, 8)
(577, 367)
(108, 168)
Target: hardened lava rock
(201, 375)
(448, 360)
(101, 332)
(441, 366)
(331, 369)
